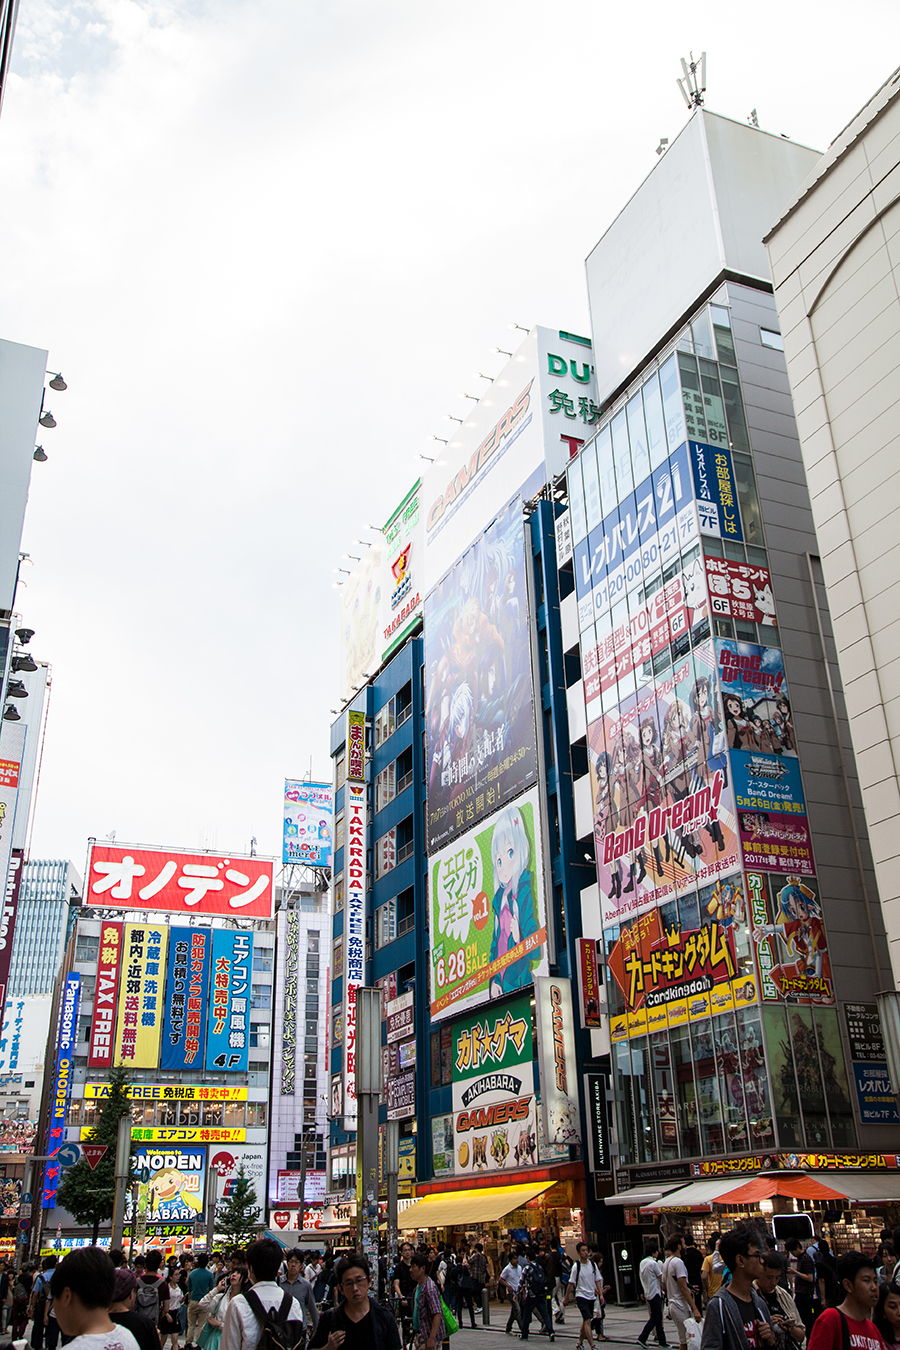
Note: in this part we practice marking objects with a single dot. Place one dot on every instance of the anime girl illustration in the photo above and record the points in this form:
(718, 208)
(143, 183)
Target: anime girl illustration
(605, 818)
(784, 724)
(726, 904)
(680, 755)
(515, 915)
(624, 793)
(799, 924)
(650, 778)
(736, 724)
(706, 726)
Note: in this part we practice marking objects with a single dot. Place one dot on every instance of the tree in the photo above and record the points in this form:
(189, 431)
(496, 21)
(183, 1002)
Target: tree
(90, 1196)
(238, 1217)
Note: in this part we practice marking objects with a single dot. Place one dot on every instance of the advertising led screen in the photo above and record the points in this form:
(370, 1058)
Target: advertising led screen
(171, 1185)
(187, 998)
(494, 1114)
(308, 817)
(122, 877)
(227, 1038)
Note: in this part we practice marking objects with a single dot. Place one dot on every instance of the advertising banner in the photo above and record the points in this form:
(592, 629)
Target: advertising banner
(740, 591)
(399, 1016)
(488, 916)
(288, 1187)
(62, 1083)
(792, 945)
(480, 737)
(767, 783)
(495, 1123)
(442, 1157)
(717, 504)
(560, 1109)
(775, 842)
(229, 1012)
(875, 1095)
(755, 698)
(141, 1003)
(11, 757)
(187, 998)
(401, 1097)
(401, 593)
(8, 919)
(308, 823)
(171, 1185)
(598, 1127)
(109, 969)
(356, 746)
(184, 1134)
(169, 1092)
(226, 1161)
(291, 950)
(183, 883)
(354, 939)
(589, 982)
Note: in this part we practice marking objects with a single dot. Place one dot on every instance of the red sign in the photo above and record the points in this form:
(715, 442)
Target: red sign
(774, 842)
(103, 1025)
(647, 960)
(9, 772)
(590, 982)
(665, 616)
(739, 591)
(93, 1153)
(120, 877)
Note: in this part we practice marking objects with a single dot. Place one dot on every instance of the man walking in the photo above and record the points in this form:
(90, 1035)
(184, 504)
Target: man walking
(651, 1274)
(736, 1317)
(197, 1286)
(245, 1317)
(298, 1286)
(585, 1287)
(533, 1292)
(511, 1278)
(678, 1291)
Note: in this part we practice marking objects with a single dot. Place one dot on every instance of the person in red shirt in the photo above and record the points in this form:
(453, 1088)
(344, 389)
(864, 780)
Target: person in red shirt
(848, 1327)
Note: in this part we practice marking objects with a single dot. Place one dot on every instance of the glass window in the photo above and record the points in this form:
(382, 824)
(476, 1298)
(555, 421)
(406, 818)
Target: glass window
(653, 418)
(754, 1084)
(385, 923)
(212, 1113)
(692, 397)
(233, 1115)
(189, 1113)
(592, 507)
(340, 771)
(745, 482)
(637, 432)
(621, 455)
(576, 498)
(168, 1113)
(734, 410)
(685, 1093)
(256, 1115)
(605, 471)
(261, 996)
(339, 831)
(385, 786)
(702, 335)
(386, 853)
(671, 397)
(663, 1087)
(834, 1077)
(723, 336)
(87, 948)
(769, 338)
(713, 406)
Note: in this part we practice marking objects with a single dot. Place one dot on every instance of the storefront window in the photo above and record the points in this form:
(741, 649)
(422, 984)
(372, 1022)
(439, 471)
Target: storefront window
(233, 1115)
(256, 1115)
(834, 1077)
(685, 1093)
(664, 1091)
(709, 1105)
(784, 1084)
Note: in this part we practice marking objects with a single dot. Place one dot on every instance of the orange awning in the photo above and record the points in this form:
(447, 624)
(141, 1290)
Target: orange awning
(762, 1188)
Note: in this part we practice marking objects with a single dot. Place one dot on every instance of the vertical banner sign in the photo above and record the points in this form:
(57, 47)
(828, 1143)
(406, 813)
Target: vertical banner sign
(356, 747)
(141, 1003)
(62, 1083)
(598, 1134)
(100, 1055)
(187, 998)
(308, 815)
(289, 1012)
(560, 1108)
(8, 922)
(10, 767)
(589, 982)
(227, 1039)
(354, 929)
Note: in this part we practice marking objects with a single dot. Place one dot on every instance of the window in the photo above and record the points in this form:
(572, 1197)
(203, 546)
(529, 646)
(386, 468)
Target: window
(339, 831)
(386, 853)
(340, 772)
(312, 986)
(404, 770)
(262, 958)
(212, 1113)
(769, 338)
(385, 923)
(312, 964)
(259, 1035)
(233, 1115)
(338, 895)
(383, 724)
(313, 944)
(406, 918)
(87, 949)
(385, 789)
(337, 958)
(261, 996)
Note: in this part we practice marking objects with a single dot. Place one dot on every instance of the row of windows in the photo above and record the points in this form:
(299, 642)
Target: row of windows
(394, 847)
(395, 712)
(224, 1115)
(394, 918)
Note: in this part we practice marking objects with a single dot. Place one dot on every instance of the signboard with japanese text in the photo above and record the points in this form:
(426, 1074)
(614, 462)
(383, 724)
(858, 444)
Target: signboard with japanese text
(187, 998)
(171, 1185)
(401, 592)
(308, 823)
(442, 1150)
(9, 916)
(488, 915)
(291, 948)
(23, 1034)
(227, 1038)
(399, 1017)
(589, 982)
(598, 1126)
(874, 1090)
(109, 969)
(740, 591)
(776, 842)
(122, 877)
(755, 698)
(494, 1116)
(714, 487)
(224, 1162)
(62, 1083)
(479, 729)
(183, 1134)
(170, 1092)
(401, 1096)
(864, 1035)
(560, 1108)
(563, 530)
(768, 783)
(406, 1055)
(356, 746)
(12, 754)
(287, 1187)
(141, 1001)
(792, 944)
(354, 938)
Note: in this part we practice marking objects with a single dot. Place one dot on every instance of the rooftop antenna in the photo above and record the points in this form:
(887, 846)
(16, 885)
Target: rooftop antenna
(693, 86)
(753, 119)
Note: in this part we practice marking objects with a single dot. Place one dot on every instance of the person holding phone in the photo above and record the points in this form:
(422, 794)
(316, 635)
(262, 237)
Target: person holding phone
(786, 1320)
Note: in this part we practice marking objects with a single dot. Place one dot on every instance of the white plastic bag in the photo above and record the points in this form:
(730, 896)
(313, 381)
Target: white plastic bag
(693, 1331)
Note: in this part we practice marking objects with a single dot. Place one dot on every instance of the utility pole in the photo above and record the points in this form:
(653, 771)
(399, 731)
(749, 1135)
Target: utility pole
(123, 1170)
(391, 1173)
(368, 1097)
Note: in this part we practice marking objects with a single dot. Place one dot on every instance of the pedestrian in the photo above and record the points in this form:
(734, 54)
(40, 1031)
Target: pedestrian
(713, 1268)
(214, 1306)
(693, 1260)
(849, 1323)
(533, 1293)
(170, 1320)
(806, 1289)
(122, 1312)
(480, 1272)
(404, 1287)
(682, 1304)
(651, 1276)
(510, 1279)
(38, 1303)
(786, 1320)
(464, 1291)
(152, 1296)
(246, 1312)
(359, 1323)
(737, 1317)
(887, 1315)
(299, 1287)
(585, 1287)
(199, 1282)
(431, 1331)
(830, 1292)
(82, 1287)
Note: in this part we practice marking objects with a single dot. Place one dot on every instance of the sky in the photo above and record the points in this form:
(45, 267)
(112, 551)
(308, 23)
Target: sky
(268, 243)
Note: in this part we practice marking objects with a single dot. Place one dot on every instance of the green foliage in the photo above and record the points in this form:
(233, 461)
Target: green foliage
(238, 1218)
(90, 1196)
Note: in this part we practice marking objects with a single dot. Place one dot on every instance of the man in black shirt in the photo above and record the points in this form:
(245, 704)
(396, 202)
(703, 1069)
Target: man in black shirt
(404, 1286)
(692, 1257)
(359, 1323)
(736, 1317)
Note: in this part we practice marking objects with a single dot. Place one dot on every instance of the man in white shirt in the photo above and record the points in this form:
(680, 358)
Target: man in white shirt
(511, 1278)
(585, 1286)
(678, 1291)
(82, 1288)
(243, 1325)
(651, 1274)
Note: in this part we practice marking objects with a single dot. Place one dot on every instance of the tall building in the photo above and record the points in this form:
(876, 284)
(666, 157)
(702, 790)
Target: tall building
(833, 251)
(49, 894)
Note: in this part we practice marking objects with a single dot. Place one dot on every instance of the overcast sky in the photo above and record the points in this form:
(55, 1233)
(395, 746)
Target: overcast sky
(268, 242)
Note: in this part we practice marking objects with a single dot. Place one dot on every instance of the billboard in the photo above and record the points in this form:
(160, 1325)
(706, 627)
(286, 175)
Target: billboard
(308, 823)
(488, 915)
(23, 1034)
(401, 592)
(106, 994)
(12, 752)
(714, 487)
(560, 1109)
(227, 1037)
(9, 915)
(62, 1082)
(479, 729)
(291, 949)
(356, 746)
(141, 1004)
(171, 1185)
(354, 942)
(122, 877)
(361, 611)
(494, 1115)
(755, 698)
(187, 998)
(740, 591)
(790, 937)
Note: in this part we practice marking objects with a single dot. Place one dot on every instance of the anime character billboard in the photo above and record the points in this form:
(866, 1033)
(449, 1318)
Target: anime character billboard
(480, 738)
(755, 698)
(171, 1184)
(488, 918)
(494, 1111)
(792, 946)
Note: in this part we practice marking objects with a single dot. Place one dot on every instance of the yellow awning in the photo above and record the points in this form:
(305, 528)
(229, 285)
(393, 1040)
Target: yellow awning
(454, 1207)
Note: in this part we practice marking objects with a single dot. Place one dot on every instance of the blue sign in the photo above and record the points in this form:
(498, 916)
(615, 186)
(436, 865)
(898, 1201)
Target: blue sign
(67, 1156)
(715, 490)
(767, 782)
(187, 997)
(228, 1033)
(62, 1083)
(877, 1103)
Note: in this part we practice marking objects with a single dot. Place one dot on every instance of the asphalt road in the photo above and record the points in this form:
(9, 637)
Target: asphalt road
(622, 1326)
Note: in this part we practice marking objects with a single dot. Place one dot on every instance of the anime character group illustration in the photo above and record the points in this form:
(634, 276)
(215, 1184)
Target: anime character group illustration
(798, 943)
(479, 713)
(755, 699)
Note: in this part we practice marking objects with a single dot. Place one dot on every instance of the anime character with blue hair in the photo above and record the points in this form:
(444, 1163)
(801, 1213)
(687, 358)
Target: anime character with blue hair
(515, 913)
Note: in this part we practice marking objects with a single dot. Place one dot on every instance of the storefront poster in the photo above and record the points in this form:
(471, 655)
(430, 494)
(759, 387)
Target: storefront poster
(187, 998)
(589, 982)
(62, 1084)
(488, 918)
(171, 1185)
(399, 1018)
(875, 1095)
(797, 961)
(142, 1001)
(442, 1163)
(308, 816)
(480, 736)
(740, 591)
(109, 967)
(169, 1092)
(227, 1039)
(755, 698)
(495, 1124)
(560, 1105)
(401, 1096)
(767, 783)
(714, 487)
(776, 842)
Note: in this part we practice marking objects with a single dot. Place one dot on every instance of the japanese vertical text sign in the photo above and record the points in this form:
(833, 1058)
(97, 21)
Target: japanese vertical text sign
(109, 969)
(355, 935)
(494, 1120)
(714, 486)
(10, 768)
(141, 1002)
(62, 1083)
(187, 998)
(227, 1039)
(560, 1108)
(308, 815)
(8, 921)
(356, 747)
(124, 877)
(291, 939)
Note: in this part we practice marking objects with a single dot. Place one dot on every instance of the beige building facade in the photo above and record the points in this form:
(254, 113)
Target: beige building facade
(835, 259)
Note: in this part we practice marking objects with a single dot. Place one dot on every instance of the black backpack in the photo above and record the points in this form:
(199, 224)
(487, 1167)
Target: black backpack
(277, 1330)
(537, 1280)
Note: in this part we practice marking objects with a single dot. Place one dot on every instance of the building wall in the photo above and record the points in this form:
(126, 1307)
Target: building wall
(835, 259)
(48, 890)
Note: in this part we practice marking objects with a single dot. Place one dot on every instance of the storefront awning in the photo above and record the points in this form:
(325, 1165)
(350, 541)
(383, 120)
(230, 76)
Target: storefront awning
(802, 1187)
(860, 1188)
(478, 1206)
(699, 1196)
(642, 1195)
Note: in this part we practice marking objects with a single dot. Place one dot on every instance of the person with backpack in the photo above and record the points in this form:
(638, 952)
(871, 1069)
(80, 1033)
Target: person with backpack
(121, 1310)
(82, 1287)
(265, 1315)
(45, 1330)
(152, 1297)
(478, 1269)
(585, 1287)
(533, 1293)
(850, 1323)
(359, 1323)
(806, 1289)
(737, 1318)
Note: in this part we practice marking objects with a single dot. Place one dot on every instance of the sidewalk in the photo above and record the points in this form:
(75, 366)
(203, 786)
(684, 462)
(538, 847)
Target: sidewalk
(622, 1325)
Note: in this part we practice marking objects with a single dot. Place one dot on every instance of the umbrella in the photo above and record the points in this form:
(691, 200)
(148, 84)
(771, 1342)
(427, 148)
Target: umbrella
(762, 1188)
